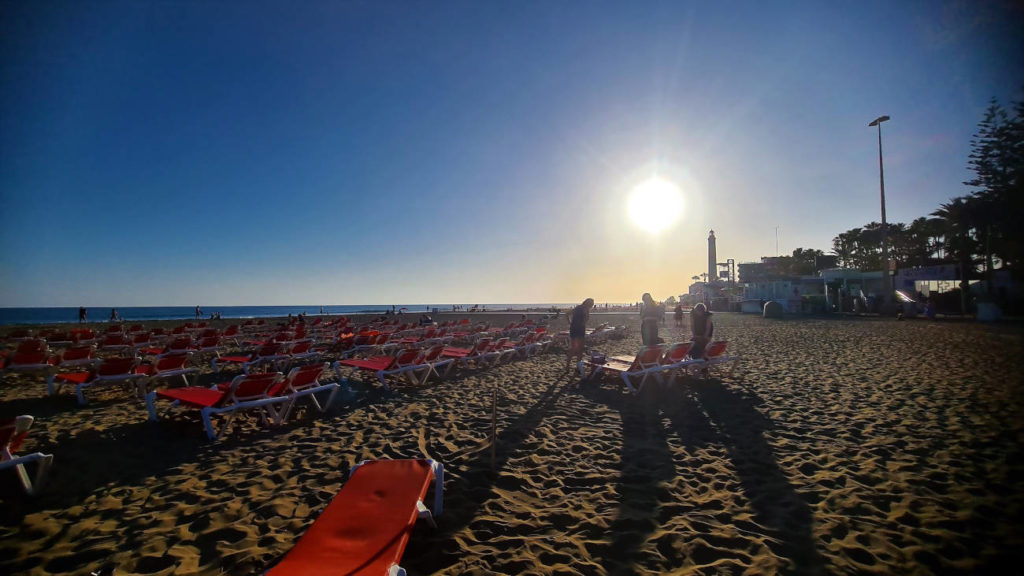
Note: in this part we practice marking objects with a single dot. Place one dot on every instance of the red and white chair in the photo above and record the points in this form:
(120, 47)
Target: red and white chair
(259, 392)
(304, 382)
(12, 433)
(630, 369)
(115, 370)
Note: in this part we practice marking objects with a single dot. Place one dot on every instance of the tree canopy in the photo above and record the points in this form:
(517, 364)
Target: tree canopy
(974, 230)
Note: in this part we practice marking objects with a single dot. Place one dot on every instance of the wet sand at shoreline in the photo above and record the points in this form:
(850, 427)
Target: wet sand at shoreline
(853, 446)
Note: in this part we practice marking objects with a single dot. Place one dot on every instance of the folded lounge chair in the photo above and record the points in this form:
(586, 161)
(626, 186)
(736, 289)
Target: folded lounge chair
(644, 365)
(364, 530)
(12, 432)
(245, 392)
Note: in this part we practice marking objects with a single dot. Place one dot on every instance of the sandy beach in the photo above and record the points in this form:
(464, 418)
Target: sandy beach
(840, 446)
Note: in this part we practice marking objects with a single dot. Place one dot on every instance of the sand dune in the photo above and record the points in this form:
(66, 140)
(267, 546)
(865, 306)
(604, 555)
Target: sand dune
(851, 446)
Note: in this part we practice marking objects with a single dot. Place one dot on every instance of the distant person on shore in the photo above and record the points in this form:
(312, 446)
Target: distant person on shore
(113, 315)
(82, 313)
(678, 315)
(650, 313)
(703, 328)
(578, 332)
(199, 313)
(426, 320)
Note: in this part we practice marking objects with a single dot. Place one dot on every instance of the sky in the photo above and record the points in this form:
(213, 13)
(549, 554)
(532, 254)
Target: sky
(316, 153)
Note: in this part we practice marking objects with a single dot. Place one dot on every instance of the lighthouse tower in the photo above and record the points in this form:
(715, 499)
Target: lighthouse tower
(712, 258)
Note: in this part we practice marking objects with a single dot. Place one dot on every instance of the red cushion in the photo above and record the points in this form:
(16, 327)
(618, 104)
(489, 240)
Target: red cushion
(365, 528)
(375, 363)
(193, 396)
(75, 377)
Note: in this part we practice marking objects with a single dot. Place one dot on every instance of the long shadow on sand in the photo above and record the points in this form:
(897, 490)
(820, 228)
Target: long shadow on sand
(777, 506)
(699, 413)
(475, 483)
(646, 463)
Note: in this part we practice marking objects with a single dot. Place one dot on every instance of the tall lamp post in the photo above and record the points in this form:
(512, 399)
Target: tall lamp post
(886, 291)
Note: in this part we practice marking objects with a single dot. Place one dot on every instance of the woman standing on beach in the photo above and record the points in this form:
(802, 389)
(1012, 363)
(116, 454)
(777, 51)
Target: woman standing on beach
(650, 313)
(578, 331)
(703, 328)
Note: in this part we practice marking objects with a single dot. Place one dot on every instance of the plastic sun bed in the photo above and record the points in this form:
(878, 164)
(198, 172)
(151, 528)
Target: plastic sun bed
(646, 364)
(244, 392)
(12, 432)
(364, 530)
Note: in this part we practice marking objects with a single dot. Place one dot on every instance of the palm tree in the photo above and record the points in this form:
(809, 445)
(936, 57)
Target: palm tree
(958, 219)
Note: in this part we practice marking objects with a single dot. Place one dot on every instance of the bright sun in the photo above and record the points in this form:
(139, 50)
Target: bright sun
(655, 204)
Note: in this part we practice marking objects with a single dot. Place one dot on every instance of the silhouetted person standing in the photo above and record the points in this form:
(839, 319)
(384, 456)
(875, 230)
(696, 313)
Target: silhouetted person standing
(82, 313)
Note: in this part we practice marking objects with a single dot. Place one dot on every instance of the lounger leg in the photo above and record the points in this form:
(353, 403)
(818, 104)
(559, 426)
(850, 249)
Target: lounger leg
(330, 397)
(438, 487)
(80, 392)
(151, 405)
(49, 384)
(208, 425)
(423, 512)
(43, 466)
(380, 376)
(629, 385)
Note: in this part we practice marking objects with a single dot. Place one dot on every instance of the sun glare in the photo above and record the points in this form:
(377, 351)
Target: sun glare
(655, 205)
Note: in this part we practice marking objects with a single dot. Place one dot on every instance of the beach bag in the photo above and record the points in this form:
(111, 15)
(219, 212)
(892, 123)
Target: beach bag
(597, 358)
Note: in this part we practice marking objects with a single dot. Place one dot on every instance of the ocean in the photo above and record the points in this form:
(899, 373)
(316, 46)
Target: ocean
(9, 316)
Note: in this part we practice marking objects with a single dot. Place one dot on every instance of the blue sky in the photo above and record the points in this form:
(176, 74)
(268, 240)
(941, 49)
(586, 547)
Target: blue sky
(247, 153)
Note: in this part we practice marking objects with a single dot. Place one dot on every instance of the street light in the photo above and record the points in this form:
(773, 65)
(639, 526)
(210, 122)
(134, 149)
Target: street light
(886, 292)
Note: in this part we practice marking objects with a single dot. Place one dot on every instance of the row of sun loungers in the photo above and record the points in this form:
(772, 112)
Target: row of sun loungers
(659, 362)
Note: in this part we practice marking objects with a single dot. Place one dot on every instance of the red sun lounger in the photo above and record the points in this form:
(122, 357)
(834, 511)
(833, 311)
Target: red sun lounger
(364, 530)
(644, 365)
(12, 432)
(245, 392)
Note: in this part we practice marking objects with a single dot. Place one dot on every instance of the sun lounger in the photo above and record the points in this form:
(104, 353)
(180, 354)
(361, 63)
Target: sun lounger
(641, 367)
(674, 361)
(75, 356)
(12, 432)
(270, 353)
(365, 529)
(714, 356)
(170, 365)
(117, 370)
(408, 364)
(304, 382)
(31, 356)
(245, 392)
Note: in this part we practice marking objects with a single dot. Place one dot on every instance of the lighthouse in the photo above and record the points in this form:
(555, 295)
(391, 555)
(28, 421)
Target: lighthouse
(712, 258)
